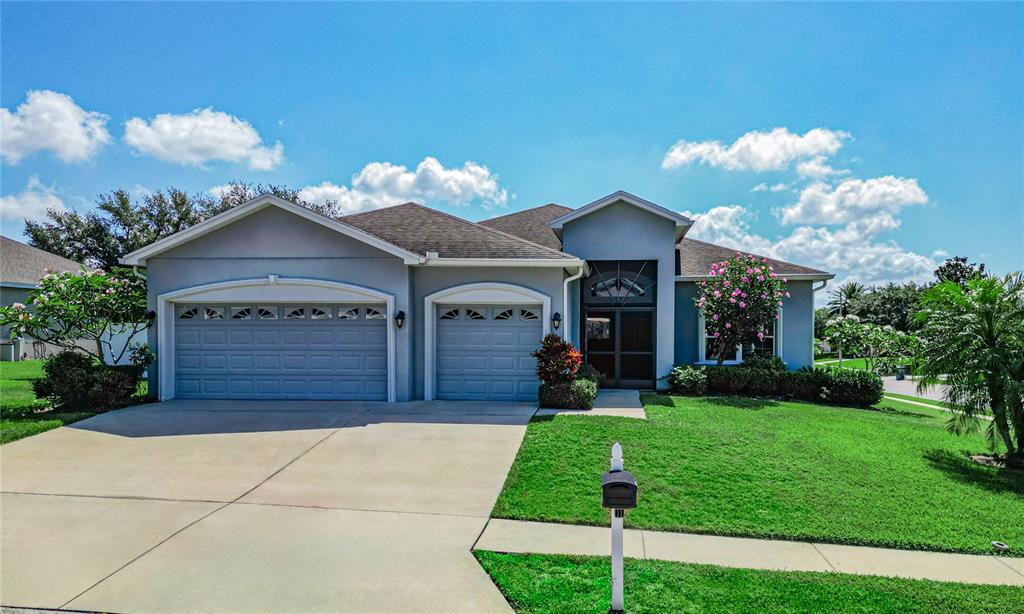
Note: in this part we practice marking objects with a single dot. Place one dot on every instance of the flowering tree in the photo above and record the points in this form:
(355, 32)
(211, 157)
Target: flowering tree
(740, 301)
(845, 333)
(67, 308)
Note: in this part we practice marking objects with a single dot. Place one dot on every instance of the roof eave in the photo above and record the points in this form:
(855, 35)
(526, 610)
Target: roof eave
(789, 276)
(682, 222)
(505, 262)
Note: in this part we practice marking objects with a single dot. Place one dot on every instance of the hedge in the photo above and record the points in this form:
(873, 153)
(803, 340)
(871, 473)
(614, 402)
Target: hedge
(577, 394)
(830, 385)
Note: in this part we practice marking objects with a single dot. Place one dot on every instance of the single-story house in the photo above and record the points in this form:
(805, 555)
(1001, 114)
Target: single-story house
(270, 300)
(21, 268)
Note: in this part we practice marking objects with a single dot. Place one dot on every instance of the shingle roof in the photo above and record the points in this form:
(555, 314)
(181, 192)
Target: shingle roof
(532, 224)
(420, 229)
(695, 258)
(24, 264)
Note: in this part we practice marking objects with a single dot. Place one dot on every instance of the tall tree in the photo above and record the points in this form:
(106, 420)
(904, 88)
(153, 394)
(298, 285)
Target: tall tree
(973, 337)
(959, 271)
(843, 296)
(120, 225)
(889, 305)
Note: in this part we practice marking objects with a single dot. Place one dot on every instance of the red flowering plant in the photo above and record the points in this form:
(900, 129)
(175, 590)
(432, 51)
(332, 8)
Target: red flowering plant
(740, 301)
(557, 360)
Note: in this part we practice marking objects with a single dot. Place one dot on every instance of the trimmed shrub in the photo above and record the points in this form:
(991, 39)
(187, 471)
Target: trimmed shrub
(688, 381)
(578, 394)
(830, 385)
(849, 386)
(68, 380)
(589, 372)
(771, 363)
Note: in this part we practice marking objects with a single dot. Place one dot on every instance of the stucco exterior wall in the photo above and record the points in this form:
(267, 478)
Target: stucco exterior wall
(797, 324)
(427, 280)
(623, 232)
(274, 242)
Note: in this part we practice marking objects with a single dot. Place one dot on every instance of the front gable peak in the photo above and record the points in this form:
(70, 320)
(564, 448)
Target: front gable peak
(681, 222)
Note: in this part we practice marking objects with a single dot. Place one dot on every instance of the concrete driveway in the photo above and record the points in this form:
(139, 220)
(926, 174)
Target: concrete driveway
(258, 506)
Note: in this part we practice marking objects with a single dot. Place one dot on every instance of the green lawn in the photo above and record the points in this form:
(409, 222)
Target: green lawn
(848, 363)
(731, 466)
(21, 413)
(540, 583)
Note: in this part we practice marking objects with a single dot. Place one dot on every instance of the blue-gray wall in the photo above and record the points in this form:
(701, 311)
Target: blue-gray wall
(621, 231)
(797, 324)
(275, 242)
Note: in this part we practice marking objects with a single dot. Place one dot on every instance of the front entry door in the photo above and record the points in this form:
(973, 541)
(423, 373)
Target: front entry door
(620, 344)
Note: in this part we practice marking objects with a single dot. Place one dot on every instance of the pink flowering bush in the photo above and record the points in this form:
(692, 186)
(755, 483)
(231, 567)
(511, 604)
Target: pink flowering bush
(740, 301)
(67, 308)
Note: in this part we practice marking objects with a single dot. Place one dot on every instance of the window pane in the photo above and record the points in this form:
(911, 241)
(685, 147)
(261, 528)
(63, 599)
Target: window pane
(294, 313)
(348, 313)
(600, 331)
(636, 366)
(241, 313)
(214, 313)
(605, 363)
(374, 314)
(711, 347)
(267, 313)
(635, 333)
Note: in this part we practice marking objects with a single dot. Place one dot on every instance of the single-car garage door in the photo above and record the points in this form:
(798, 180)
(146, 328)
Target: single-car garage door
(255, 351)
(483, 353)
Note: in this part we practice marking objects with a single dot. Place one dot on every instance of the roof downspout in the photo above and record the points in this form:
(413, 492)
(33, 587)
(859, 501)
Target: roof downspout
(814, 289)
(565, 300)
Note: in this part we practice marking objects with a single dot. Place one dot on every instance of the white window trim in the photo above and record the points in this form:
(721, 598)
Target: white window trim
(702, 359)
(482, 293)
(266, 289)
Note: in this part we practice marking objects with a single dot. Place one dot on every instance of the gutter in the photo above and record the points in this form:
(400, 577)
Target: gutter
(794, 277)
(431, 260)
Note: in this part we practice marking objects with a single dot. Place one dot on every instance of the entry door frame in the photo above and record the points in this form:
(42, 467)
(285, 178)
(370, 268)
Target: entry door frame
(615, 380)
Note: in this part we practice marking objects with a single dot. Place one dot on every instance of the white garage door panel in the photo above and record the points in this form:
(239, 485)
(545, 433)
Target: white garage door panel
(293, 358)
(483, 353)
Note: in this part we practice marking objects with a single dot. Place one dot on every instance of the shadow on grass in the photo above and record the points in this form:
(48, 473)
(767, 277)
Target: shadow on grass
(962, 469)
(899, 412)
(653, 398)
(745, 402)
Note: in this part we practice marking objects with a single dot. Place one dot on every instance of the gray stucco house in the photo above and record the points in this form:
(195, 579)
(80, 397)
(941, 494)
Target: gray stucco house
(270, 300)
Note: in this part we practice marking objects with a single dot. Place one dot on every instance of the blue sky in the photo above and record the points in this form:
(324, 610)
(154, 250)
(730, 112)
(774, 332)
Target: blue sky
(867, 139)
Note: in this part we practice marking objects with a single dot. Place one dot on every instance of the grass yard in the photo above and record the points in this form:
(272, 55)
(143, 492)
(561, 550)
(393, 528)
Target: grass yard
(21, 413)
(731, 466)
(848, 363)
(540, 583)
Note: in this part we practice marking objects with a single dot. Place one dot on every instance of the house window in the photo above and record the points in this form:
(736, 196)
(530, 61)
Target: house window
(507, 314)
(451, 314)
(214, 313)
(266, 313)
(189, 313)
(528, 314)
(241, 313)
(473, 314)
(374, 314)
(294, 313)
(767, 347)
(348, 313)
(319, 314)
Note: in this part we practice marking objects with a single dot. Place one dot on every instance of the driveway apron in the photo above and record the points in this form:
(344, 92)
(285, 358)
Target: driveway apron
(258, 506)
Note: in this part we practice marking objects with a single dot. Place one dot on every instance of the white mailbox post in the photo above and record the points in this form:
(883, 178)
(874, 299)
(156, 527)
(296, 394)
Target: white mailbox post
(618, 493)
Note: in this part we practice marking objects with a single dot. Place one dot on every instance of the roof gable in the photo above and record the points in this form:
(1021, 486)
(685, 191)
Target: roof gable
(255, 205)
(682, 222)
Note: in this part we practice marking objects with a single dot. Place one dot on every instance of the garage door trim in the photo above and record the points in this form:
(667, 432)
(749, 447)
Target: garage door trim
(271, 288)
(480, 293)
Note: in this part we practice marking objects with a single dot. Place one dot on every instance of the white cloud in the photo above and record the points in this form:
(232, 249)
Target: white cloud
(51, 121)
(381, 184)
(756, 150)
(31, 203)
(854, 199)
(202, 136)
(848, 252)
(218, 191)
(817, 168)
(764, 187)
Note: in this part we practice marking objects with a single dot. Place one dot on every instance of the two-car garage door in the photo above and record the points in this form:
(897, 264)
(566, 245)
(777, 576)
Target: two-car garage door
(483, 353)
(253, 351)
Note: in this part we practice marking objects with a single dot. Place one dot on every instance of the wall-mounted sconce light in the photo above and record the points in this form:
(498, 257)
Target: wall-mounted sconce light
(556, 320)
(400, 319)
(150, 315)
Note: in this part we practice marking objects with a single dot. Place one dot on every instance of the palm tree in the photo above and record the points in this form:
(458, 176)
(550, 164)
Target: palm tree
(973, 336)
(843, 296)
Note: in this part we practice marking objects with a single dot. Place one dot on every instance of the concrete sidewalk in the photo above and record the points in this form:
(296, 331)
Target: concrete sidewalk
(610, 402)
(549, 538)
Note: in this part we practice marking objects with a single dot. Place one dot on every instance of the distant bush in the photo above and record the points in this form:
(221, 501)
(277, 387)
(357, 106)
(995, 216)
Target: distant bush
(830, 385)
(577, 394)
(688, 380)
(771, 363)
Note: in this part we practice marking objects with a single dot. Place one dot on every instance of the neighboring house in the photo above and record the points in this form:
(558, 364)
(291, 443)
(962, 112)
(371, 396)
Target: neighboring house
(21, 268)
(271, 300)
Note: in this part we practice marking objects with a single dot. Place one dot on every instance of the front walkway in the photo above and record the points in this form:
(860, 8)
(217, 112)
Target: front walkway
(549, 538)
(610, 402)
(258, 506)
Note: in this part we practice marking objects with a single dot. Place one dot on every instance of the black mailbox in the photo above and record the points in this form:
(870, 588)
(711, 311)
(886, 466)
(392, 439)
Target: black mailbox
(618, 490)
